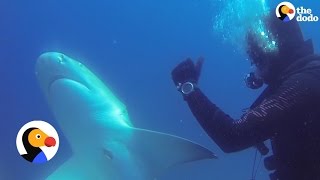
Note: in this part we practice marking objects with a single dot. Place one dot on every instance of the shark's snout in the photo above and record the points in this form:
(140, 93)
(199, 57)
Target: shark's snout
(53, 66)
(50, 59)
(50, 66)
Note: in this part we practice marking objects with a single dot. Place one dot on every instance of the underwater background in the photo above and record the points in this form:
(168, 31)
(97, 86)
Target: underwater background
(132, 46)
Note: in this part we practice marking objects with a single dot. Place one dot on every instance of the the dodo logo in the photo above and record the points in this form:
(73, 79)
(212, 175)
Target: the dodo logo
(37, 141)
(285, 11)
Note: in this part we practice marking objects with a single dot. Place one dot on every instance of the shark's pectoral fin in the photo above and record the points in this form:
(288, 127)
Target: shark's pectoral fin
(160, 151)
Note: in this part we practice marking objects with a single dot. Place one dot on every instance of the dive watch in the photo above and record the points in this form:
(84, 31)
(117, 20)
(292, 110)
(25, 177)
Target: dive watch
(186, 88)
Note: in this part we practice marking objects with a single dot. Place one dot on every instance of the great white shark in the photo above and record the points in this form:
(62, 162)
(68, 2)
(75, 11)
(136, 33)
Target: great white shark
(105, 145)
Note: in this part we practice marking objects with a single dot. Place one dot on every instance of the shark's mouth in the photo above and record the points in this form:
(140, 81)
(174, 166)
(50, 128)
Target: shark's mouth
(61, 77)
(54, 79)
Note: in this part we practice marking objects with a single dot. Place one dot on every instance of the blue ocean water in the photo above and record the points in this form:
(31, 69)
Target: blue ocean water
(133, 46)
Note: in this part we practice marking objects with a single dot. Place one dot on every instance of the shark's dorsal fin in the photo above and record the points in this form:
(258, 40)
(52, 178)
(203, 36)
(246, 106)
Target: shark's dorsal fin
(161, 151)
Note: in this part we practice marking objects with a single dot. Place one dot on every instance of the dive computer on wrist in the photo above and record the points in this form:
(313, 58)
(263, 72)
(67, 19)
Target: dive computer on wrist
(186, 88)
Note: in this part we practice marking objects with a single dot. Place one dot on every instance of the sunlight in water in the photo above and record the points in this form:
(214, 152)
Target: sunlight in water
(237, 17)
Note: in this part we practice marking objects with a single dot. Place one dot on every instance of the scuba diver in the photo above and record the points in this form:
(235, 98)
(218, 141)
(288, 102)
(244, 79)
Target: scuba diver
(287, 112)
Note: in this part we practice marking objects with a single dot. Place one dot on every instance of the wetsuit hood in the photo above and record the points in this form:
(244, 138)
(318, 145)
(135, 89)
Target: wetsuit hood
(289, 47)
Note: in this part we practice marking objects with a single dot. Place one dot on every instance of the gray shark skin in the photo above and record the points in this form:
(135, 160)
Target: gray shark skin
(104, 143)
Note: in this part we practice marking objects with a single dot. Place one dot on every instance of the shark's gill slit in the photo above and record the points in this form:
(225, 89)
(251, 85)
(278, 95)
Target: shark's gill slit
(108, 154)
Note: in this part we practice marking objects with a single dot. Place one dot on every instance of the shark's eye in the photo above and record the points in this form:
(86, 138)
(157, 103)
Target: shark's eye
(38, 136)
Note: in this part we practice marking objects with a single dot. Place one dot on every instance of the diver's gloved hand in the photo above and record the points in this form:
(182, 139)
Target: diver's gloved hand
(187, 71)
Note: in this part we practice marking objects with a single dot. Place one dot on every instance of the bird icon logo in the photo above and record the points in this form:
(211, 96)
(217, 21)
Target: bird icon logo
(285, 11)
(37, 142)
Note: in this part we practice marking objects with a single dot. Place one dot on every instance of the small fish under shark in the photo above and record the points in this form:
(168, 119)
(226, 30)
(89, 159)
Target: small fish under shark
(105, 145)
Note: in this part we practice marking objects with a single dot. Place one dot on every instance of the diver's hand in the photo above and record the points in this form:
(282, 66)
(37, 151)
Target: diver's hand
(187, 71)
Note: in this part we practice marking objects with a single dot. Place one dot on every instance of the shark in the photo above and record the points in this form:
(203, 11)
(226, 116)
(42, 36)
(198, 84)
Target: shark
(105, 144)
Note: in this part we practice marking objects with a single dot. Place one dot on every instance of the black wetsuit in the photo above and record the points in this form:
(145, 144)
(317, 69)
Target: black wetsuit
(288, 114)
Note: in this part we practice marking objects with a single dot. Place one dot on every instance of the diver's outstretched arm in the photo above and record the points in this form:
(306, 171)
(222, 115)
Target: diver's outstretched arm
(258, 124)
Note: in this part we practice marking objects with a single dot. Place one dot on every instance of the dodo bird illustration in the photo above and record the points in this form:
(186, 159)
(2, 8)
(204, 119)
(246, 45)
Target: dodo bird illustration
(33, 139)
(284, 10)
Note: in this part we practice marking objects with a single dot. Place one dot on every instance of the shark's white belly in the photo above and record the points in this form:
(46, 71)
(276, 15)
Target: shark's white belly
(104, 144)
(96, 132)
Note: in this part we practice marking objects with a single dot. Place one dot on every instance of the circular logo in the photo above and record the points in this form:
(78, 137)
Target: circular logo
(37, 142)
(285, 11)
